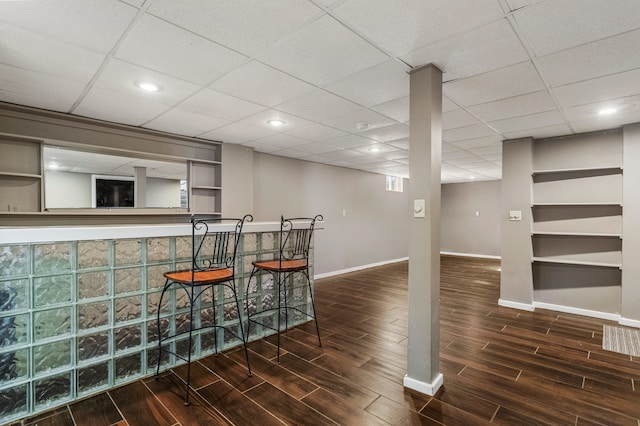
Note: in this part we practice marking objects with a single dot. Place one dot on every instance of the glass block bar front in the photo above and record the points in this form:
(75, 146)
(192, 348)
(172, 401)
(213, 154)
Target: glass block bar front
(79, 316)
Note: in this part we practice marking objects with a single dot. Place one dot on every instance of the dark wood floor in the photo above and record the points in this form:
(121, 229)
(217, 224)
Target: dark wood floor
(500, 366)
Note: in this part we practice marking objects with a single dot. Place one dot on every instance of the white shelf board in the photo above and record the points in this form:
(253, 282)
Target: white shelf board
(576, 262)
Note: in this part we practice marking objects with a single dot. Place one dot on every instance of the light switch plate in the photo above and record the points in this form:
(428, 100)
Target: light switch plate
(418, 208)
(515, 215)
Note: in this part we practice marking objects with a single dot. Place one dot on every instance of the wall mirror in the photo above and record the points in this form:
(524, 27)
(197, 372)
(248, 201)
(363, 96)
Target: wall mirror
(82, 180)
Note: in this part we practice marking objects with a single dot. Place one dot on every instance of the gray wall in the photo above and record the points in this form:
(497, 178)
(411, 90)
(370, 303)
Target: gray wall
(375, 226)
(464, 232)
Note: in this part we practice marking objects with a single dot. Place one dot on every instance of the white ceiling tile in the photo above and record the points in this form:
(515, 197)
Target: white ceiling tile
(185, 122)
(448, 105)
(136, 3)
(483, 49)
(38, 90)
(519, 4)
(404, 25)
(398, 109)
(468, 132)
(583, 112)
(375, 149)
(96, 24)
(34, 52)
(478, 142)
(376, 85)
(237, 133)
(263, 147)
(318, 106)
(349, 141)
(494, 85)
(456, 155)
(551, 26)
(400, 143)
(316, 132)
(246, 26)
(603, 57)
(291, 153)
(290, 121)
(283, 140)
(261, 84)
(107, 105)
(395, 155)
(387, 133)
(365, 159)
(531, 103)
(487, 150)
(322, 52)
(449, 147)
(342, 154)
(542, 132)
(599, 89)
(216, 104)
(315, 148)
(457, 118)
(348, 122)
(608, 122)
(531, 121)
(163, 47)
(120, 76)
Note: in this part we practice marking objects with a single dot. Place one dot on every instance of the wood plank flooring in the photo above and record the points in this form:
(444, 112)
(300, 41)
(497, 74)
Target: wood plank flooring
(500, 366)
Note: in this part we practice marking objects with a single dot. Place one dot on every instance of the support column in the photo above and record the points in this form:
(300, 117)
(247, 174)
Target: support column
(140, 187)
(425, 160)
(630, 312)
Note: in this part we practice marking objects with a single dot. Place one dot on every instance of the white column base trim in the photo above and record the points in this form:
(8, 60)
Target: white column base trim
(422, 387)
(516, 305)
(359, 268)
(629, 322)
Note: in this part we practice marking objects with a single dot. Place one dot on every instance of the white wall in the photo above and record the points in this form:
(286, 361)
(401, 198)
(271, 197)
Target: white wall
(67, 190)
(461, 230)
(163, 192)
(376, 223)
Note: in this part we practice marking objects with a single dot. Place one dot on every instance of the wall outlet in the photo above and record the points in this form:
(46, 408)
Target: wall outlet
(515, 215)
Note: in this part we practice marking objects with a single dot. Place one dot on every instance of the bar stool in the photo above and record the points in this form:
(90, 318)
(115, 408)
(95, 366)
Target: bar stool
(214, 243)
(293, 256)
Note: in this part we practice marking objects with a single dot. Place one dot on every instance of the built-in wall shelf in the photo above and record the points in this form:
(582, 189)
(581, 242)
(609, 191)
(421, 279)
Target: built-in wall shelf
(21, 175)
(576, 262)
(576, 231)
(578, 234)
(206, 187)
(611, 169)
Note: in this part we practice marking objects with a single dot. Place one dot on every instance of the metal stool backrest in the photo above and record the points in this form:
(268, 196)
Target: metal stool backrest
(295, 237)
(215, 242)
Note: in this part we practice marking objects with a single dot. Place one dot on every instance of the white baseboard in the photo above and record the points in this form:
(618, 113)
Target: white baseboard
(577, 311)
(484, 256)
(629, 322)
(515, 305)
(423, 387)
(402, 259)
(359, 268)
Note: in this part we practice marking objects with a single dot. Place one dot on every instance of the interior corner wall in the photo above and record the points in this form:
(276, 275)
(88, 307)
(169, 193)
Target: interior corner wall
(470, 221)
(237, 180)
(363, 223)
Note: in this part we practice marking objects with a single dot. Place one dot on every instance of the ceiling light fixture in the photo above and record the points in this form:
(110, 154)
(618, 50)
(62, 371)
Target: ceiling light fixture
(607, 111)
(472, 177)
(374, 149)
(362, 126)
(147, 86)
(275, 123)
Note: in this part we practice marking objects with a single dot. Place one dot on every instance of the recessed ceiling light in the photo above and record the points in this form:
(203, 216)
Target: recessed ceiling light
(607, 111)
(374, 149)
(362, 126)
(275, 123)
(472, 177)
(147, 86)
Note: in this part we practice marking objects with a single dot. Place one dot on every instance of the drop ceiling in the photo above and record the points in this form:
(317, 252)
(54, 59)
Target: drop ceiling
(512, 68)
